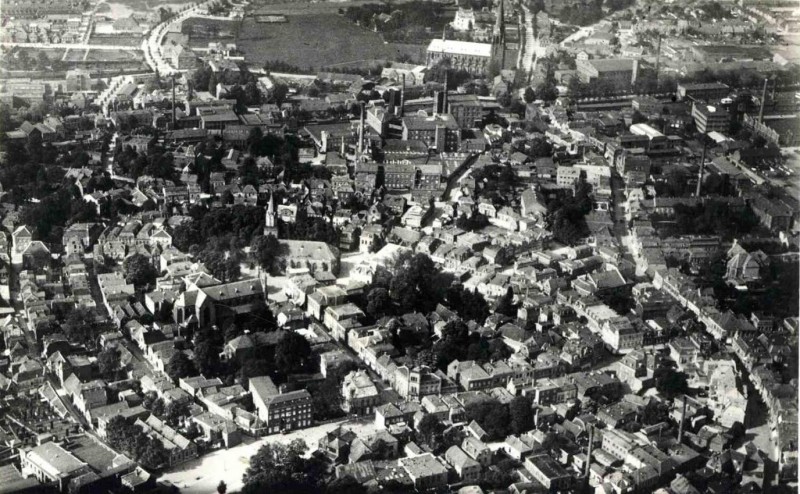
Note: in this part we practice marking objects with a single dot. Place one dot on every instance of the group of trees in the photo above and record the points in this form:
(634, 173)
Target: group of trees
(500, 419)
(409, 22)
(714, 217)
(433, 433)
(279, 469)
(458, 344)
(566, 215)
(139, 270)
(156, 164)
(218, 236)
(84, 326)
(124, 436)
(591, 11)
(412, 283)
(496, 182)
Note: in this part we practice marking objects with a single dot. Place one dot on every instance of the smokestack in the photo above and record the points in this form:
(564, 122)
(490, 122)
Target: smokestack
(683, 419)
(343, 151)
(436, 102)
(763, 100)
(173, 102)
(702, 168)
(402, 94)
(361, 131)
(444, 98)
(658, 60)
(589, 453)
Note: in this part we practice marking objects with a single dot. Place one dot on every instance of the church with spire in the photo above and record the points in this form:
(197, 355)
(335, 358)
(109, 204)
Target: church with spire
(499, 36)
(271, 220)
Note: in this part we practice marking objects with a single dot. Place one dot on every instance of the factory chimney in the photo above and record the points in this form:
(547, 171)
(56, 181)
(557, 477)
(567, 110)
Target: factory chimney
(444, 98)
(589, 452)
(763, 101)
(702, 168)
(173, 102)
(402, 94)
(361, 132)
(683, 419)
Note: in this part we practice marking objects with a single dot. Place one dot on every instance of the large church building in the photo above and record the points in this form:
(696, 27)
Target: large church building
(475, 58)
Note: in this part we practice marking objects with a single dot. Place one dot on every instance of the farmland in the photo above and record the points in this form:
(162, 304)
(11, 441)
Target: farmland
(317, 41)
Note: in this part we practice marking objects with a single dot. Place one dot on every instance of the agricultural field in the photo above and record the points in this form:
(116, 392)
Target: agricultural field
(317, 41)
(124, 8)
(132, 41)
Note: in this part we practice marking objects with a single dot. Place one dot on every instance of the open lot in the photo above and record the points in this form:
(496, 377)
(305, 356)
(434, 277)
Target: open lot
(318, 40)
(203, 475)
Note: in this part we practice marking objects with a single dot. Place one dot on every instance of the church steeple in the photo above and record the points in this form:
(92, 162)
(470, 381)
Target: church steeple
(270, 226)
(499, 25)
(499, 36)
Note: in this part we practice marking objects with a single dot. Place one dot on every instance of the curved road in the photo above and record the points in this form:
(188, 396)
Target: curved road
(154, 39)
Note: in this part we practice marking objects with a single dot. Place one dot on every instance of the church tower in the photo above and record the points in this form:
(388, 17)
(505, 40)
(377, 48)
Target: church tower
(499, 37)
(270, 222)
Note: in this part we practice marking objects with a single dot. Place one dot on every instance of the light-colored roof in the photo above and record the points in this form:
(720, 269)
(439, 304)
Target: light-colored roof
(54, 459)
(454, 47)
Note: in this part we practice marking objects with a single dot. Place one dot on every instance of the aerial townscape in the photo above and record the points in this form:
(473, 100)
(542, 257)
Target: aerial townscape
(396, 246)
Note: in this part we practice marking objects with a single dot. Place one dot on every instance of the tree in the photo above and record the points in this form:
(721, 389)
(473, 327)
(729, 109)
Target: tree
(283, 469)
(139, 271)
(222, 487)
(505, 304)
(530, 95)
(670, 382)
(429, 429)
(279, 93)
(520, 411)
(547, 91)
(267, 252)
(379, 302)
(180, 366)
(206, 355)
(492, 416)
(539, 147)
(346, 485)
(108, 360)
(291, 353)
(83, 326)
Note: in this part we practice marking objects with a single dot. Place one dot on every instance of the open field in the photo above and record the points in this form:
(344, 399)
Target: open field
(317, 41)
(114, 56)
(124, 8)
(132, 41)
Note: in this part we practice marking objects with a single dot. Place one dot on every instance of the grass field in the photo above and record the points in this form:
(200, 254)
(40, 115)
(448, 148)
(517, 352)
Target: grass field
(123, 8)
(318, 40)
(132, 41)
